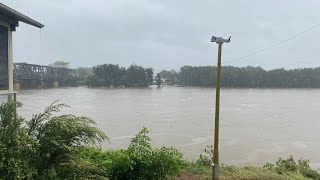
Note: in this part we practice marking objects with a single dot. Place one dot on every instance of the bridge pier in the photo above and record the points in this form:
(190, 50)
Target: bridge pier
(55, 84)
(34, 84)
(16, 86)
(29, 84)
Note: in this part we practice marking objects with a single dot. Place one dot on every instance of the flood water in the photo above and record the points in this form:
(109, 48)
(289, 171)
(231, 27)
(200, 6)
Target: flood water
(257, 125)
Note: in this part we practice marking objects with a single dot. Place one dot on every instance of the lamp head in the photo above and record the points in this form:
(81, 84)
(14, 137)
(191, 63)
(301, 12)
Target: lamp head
(220, 40)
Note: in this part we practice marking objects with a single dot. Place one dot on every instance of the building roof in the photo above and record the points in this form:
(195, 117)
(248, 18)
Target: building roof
(13, 17)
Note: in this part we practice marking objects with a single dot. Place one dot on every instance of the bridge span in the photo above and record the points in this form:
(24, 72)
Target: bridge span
(28, 76)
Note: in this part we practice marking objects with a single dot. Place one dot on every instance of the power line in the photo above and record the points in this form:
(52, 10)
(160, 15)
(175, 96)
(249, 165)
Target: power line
(277, 44)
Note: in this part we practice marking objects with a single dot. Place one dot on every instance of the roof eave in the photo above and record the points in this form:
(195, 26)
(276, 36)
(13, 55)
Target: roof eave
(19, 16)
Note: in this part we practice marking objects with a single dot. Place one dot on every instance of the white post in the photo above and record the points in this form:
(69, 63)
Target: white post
(10, 60)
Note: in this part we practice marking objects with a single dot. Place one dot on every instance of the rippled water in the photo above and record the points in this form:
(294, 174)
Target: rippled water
(257, 125)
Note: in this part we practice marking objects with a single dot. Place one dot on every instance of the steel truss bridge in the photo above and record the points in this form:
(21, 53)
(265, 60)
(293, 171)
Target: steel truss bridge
(24, 71)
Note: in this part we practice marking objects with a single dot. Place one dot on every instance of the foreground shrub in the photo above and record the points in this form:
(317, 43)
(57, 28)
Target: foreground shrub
(139, 161)
(289, 165)
(44, 147)
(17, 149)
(206, 159)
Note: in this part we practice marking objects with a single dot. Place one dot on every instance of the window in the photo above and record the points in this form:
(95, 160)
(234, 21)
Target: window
(4, 80)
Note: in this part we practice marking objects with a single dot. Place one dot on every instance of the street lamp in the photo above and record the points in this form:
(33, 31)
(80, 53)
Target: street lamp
(215, 158)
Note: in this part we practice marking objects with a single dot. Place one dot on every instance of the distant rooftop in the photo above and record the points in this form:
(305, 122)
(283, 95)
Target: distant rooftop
(13, 17)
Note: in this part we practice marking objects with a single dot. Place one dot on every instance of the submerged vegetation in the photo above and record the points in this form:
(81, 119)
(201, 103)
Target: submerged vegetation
(252, 77)
(108, 75)
(68, 147)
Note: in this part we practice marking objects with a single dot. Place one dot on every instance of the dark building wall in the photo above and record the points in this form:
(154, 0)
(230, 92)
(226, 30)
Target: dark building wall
(4, 58)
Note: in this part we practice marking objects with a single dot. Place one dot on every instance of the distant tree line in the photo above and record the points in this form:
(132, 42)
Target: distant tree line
(111, 75)
(253, 77)
(108, 75)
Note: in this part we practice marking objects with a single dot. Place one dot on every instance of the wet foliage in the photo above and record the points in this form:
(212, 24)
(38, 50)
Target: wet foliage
(139, 161)
(45, 145)
(252, 77)
(108, 75)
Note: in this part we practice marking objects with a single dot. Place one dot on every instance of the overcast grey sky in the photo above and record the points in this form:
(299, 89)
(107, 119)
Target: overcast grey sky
(167, 34)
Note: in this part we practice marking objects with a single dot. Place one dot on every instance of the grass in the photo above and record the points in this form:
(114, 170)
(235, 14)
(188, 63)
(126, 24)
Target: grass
(282, 169)
(194, 171)
(257, 173)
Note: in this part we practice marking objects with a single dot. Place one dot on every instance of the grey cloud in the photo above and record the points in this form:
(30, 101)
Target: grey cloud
(165, 33)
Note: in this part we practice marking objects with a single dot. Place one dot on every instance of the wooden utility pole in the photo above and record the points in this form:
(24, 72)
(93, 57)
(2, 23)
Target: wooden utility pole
(215, 158)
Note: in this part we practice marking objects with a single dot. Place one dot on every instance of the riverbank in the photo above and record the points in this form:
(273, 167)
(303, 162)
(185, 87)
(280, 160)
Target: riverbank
(283, 169)
(247, 173)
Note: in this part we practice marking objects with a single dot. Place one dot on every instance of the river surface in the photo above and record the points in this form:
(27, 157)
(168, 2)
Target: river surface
(257, 125)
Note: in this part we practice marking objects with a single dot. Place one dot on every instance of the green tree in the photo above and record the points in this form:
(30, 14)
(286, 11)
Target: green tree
(60, 64)
(169, 77)
(136, 76)
(107, 75)
(83, 73)
(253, 77)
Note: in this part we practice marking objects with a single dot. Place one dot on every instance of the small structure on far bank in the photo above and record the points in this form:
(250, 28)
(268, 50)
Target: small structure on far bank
(9, 20)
